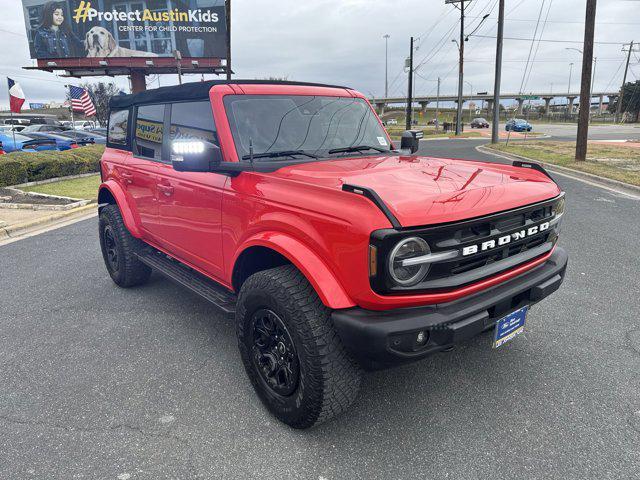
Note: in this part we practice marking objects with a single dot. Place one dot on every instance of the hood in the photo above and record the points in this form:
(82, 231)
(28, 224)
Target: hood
(425, 190)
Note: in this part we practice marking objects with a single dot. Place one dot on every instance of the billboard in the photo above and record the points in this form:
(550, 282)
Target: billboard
(125, 28)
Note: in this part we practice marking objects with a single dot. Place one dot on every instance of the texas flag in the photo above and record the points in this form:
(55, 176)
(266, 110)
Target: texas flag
(16, 96)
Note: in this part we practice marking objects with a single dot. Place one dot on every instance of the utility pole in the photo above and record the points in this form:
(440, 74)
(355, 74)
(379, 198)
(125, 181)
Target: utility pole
(438, 104)
(624, 81)
(460, 71)
(410, 87)
(386, 65)
(228, 5)
(496, 87)
(585, 87)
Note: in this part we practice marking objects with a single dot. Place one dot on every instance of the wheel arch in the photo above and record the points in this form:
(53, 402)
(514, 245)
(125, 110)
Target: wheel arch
(110, 193)
(270, 250)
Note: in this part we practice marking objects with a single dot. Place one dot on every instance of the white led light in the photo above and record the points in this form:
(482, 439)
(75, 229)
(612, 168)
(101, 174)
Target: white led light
(182, 147)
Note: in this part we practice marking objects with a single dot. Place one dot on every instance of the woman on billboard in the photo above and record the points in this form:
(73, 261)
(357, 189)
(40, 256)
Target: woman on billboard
(54, 38)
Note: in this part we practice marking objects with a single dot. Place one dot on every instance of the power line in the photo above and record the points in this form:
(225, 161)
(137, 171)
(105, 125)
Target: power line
(548, 40)
(533, 40)
(567, 21)
(535, 54)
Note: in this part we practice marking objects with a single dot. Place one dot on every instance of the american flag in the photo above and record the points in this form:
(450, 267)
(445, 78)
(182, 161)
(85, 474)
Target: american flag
(81, 101)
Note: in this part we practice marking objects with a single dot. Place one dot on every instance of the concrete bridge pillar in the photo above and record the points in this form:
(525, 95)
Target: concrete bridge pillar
(520, 105)
(380, 107)
(571, 99)
(601, 104)
(423, 107)
(547, 104)
(490, 107)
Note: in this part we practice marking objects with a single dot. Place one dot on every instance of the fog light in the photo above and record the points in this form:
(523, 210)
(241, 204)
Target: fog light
(421, 338)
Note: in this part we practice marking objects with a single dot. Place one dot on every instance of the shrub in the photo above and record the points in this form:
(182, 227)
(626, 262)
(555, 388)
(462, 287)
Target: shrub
(22, 167)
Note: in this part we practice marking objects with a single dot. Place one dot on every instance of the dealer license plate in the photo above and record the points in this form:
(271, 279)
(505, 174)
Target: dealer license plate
(509, 327)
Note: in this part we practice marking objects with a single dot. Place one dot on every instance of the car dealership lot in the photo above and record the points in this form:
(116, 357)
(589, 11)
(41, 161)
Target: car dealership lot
(100, 382)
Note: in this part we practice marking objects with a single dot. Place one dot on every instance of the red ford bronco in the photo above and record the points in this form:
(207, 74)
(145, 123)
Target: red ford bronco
(287, 206)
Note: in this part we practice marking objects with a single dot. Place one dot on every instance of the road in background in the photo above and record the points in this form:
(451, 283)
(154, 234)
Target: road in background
(147, 383)
(567, 131)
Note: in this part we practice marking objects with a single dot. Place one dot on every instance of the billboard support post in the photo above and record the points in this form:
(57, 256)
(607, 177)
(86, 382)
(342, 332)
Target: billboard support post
(138, 81)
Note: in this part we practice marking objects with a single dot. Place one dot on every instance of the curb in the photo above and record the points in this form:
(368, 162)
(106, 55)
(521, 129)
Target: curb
(559, 169)
(17, 229)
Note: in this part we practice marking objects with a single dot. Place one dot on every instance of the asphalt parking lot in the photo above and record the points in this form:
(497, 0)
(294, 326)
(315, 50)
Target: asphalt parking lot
(104, 383)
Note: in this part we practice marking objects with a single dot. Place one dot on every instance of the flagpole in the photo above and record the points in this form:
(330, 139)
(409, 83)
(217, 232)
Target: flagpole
(13, 127)
(73, 123)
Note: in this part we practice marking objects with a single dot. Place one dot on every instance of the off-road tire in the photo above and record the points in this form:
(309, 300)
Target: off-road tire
(329, 379)
(128, 271)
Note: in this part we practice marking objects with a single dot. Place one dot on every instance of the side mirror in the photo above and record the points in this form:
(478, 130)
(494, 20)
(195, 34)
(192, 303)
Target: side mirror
(410, 140)
(195, 156)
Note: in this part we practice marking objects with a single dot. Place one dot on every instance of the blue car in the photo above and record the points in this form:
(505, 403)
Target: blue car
(25, 144)
(518, 125)
(63, 143)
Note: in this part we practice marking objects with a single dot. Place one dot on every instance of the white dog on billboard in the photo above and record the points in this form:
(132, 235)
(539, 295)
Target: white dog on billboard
(99, 42)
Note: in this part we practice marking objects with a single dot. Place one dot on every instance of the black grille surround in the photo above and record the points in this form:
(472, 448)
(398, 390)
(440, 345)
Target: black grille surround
(463, 270)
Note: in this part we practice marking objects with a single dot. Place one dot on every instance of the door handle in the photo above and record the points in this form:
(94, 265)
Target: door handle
(166, 189)
(128, 177)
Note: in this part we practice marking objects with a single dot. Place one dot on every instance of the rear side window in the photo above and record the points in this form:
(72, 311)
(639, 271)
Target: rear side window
(149, 131)
(193, 120)
(119, 127)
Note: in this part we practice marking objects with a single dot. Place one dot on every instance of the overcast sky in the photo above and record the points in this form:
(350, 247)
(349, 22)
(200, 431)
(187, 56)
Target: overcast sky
(341, 42)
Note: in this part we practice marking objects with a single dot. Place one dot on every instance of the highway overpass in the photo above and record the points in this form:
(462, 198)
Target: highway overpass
(423, 101)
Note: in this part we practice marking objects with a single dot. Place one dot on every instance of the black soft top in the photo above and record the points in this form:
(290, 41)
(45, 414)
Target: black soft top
(193, 91)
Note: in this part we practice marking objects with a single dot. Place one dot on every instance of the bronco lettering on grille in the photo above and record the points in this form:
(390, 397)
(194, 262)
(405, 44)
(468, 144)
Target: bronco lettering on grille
(505, 239)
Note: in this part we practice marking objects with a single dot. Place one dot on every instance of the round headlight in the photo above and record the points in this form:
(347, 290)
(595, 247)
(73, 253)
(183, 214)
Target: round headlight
(405, 274)
(559, 208)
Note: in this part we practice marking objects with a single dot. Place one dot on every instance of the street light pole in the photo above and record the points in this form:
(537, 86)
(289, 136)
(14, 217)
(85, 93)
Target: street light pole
(496, 87)
(386, 65)
(570, 72)
(410, 87)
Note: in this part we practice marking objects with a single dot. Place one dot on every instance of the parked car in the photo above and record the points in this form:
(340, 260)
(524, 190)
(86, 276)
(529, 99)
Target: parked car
(98, 131)
(24, 143)
(45, 121)
(518, 125)
(84, 124)
(63, 143)
(84, 135)
(287, 206)
(479, 123)
(44, 128)
(392, 121)
(16, 124)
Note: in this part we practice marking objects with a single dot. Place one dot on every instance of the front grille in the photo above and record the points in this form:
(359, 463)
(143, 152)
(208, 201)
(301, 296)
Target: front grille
(465, 269)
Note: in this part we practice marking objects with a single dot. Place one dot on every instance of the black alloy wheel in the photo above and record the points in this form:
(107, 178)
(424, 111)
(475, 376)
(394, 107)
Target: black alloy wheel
(111, 248)
(273, 353)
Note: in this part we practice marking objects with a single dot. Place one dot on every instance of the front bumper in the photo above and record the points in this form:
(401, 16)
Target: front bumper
(381, 339)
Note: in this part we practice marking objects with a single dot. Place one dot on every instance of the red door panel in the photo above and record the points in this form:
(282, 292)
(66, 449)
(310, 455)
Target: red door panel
(190, 212)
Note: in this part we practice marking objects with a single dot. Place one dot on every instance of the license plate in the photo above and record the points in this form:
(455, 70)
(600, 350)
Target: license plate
(509, 327)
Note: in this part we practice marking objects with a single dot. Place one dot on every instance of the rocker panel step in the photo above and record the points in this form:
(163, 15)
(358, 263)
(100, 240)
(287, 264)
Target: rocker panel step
(194, 281)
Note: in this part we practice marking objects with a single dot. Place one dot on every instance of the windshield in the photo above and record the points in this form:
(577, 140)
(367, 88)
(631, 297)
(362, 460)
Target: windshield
(313, 125)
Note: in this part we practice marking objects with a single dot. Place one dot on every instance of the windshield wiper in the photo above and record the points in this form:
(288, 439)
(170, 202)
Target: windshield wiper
(283, 153)
(357, 148)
